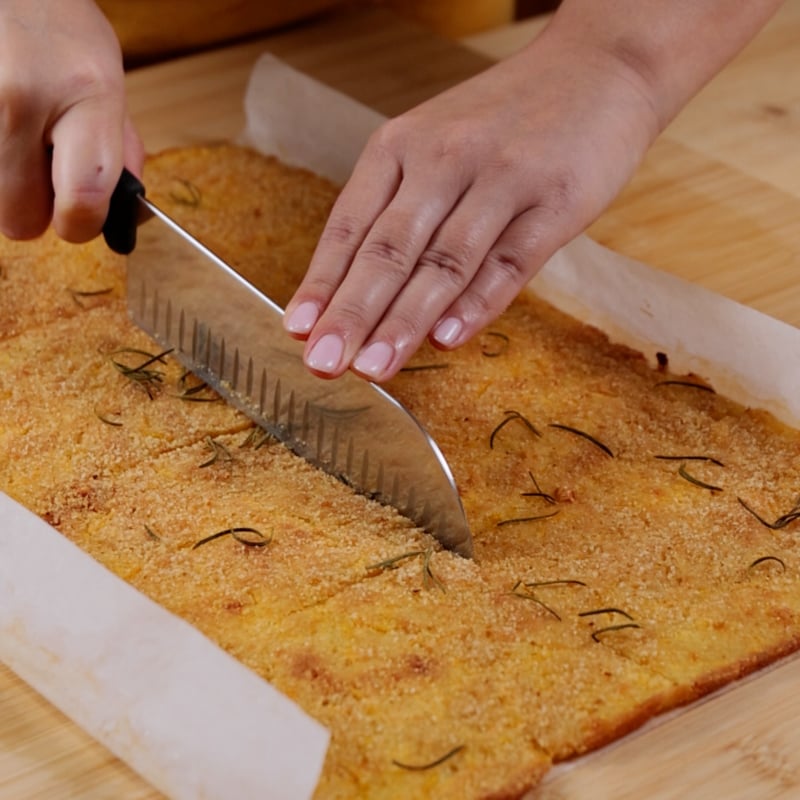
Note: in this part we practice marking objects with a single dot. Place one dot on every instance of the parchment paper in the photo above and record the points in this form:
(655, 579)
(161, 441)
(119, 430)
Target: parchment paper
(746, 355)
(192, 720)
(189, 718)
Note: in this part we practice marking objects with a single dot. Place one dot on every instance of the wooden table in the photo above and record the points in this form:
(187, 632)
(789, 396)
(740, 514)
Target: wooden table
(717, 201)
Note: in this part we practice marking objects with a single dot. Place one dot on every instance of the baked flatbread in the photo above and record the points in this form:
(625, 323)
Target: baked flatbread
(635, 532)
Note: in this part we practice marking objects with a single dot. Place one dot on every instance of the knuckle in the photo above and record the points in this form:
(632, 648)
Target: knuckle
(510, 262)
(560, 191)
(461, 139)
(320, 287)
(406, 325)
(453, 144)
(505, 160)
(478, 307)
(92, 79)
(389, 137)
(348, 316)
(391, 256)
(17, 108)
(447, 266)
(82, 202)
(86, 198)
(342, 231)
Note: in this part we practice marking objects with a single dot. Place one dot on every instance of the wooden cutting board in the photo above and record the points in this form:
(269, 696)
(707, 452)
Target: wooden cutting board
(716, 201)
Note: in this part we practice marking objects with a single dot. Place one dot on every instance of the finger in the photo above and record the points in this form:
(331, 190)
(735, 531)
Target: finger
(442, 272)
(519, 253)
(26, 199)
(366, 194)
(86, 167)
(380, 269)
(132, 148)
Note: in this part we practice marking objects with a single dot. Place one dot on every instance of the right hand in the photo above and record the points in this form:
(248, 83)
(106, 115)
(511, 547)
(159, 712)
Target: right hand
(64, 130)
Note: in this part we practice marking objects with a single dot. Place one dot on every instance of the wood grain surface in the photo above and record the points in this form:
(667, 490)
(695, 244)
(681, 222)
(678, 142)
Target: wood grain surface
(716, 201)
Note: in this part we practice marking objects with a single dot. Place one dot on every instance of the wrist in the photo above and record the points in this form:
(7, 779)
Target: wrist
(667, 50)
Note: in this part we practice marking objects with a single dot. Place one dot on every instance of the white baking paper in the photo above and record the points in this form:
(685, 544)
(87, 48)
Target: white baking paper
(303, 122)
(746, 355)
(185, 715)
(192, 720)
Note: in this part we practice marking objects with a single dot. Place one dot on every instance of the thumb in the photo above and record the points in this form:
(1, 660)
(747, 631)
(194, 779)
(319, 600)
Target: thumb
(87, 161)
(133, 148)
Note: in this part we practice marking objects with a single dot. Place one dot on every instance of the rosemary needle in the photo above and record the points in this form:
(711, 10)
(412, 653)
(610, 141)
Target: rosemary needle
(596, 442)
(609, 610)
(557, 582)
(709, 459)
(424, 367)
(539, 493)
(395, 561)
(192, 393)
(428, 577)
(596, 634)
(151, 357)
(257, 539)
(188, 196)
(114, 423)
(524, 589)
(703, 387)
(218, 450)
(520, 520)
(519, 591)
(151, 534)
(143, 375)
(256, 438)
(510, 417)
(779, 523)
(702, 484)
(503, 343)
(765, 559)
(77, 295)
(420, 767)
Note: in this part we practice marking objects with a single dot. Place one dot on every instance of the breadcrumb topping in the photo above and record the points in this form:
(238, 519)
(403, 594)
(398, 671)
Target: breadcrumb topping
(608, 585)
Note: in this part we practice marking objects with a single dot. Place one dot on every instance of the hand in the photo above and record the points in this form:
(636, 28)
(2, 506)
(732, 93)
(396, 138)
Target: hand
(456, 204)
(64, 131)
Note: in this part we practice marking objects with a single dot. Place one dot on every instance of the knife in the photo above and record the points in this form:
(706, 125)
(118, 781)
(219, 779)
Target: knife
(230, 334)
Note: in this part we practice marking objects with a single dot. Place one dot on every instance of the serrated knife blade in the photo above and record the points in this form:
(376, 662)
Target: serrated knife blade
(228, 333)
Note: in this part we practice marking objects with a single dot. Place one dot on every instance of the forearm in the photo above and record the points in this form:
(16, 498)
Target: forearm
(670, 48)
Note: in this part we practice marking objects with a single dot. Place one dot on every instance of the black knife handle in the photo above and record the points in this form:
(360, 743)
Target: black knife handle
(119, 229)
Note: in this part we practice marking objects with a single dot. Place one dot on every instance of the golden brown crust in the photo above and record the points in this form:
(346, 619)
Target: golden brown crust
(262, 215)
(579, 527)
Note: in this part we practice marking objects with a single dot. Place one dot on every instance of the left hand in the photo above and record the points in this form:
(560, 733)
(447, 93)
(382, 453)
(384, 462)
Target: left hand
(456, 204)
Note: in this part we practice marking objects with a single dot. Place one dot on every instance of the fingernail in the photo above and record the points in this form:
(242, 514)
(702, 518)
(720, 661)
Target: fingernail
(448, 330)
(302, 319)
(373, 360)
(326, 354)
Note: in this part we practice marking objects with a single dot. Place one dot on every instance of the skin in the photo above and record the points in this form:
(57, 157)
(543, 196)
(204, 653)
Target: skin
(64, 131)
(455, 205)
(452, 207)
